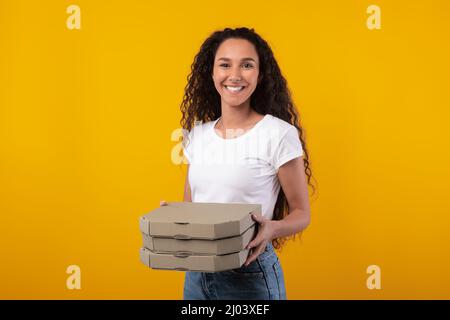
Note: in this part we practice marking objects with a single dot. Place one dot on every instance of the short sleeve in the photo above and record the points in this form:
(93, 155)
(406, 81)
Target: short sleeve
(289, 148)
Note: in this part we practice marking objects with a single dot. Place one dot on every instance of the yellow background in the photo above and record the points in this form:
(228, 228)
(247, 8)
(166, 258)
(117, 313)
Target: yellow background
(86, 118)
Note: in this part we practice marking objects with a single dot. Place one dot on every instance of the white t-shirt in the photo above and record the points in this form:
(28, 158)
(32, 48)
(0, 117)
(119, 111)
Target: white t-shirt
(242, 169)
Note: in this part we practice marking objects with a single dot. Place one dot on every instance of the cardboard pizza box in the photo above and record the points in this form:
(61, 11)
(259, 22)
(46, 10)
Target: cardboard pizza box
(201, 263)
(199, 246)
(199, 220)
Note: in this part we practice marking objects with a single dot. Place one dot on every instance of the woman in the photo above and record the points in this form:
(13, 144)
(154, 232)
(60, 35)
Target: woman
(247, 147)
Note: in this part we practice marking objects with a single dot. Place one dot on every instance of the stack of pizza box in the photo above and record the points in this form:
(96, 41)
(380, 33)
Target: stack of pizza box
(198, 236)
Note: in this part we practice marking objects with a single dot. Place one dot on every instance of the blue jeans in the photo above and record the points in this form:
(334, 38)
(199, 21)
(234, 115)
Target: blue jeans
(261, 280)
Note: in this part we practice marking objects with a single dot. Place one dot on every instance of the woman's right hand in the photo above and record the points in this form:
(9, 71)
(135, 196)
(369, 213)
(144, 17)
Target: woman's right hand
(162, 203)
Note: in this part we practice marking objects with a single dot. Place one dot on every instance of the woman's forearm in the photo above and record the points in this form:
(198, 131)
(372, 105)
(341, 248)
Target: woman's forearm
(296, 221)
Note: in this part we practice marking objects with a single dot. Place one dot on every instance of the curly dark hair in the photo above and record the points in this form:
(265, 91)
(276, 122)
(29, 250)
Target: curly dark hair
(201, 101)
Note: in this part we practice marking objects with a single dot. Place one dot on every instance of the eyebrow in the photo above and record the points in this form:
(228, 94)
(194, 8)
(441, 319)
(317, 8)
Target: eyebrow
(243, 59)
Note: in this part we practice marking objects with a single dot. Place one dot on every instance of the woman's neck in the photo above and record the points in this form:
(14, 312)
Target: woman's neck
(237, 117)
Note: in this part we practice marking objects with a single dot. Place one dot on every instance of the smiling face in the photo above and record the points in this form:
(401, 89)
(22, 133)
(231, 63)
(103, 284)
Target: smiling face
(235, 72)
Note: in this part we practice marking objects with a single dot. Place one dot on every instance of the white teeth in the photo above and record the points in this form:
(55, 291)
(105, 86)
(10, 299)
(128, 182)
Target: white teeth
(234, 89)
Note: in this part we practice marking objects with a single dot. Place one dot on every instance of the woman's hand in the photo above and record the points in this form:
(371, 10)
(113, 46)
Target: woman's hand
(162, 203)
(264, 236)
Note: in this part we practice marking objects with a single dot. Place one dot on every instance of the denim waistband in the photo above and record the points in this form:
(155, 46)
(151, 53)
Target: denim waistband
(269, 250)
(269, 247)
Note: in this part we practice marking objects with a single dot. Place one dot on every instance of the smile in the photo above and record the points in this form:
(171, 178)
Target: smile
(234, 89)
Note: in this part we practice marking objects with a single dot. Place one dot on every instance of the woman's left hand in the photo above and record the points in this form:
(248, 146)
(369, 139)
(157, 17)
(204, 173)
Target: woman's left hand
(264, 236)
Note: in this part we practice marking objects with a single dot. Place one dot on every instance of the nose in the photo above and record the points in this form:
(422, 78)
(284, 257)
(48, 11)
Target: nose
(235, 75)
